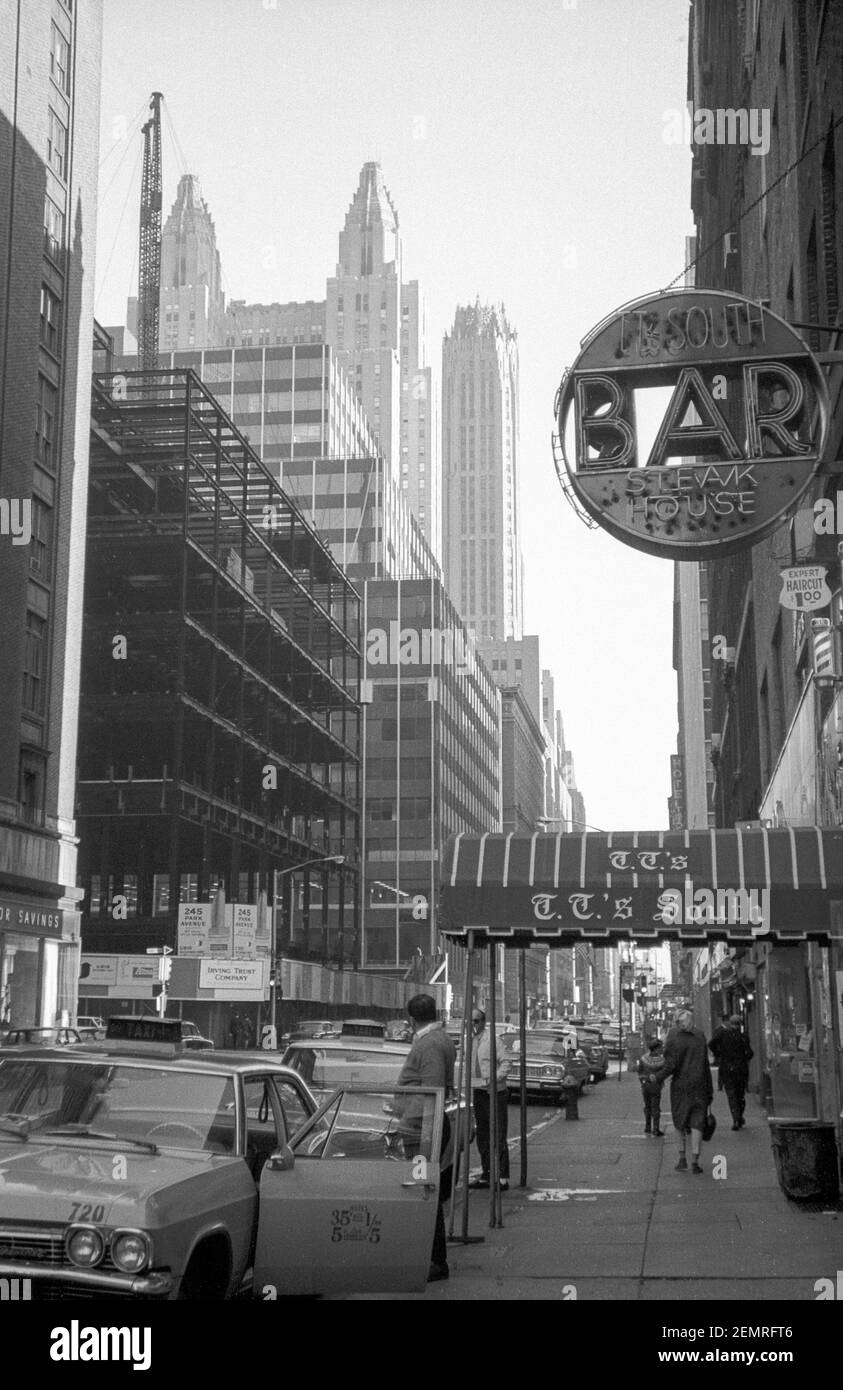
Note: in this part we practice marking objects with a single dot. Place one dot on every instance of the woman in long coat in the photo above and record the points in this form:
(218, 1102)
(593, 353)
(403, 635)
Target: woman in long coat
(691, 1088)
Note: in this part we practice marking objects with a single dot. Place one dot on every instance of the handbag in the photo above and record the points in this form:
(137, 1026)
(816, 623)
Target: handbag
(709, 1126)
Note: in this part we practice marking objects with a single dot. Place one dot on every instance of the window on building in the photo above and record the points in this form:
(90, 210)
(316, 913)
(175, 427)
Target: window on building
(160, 894)
(45, 422)
(34, 663)
(31, 787)
(95, 894)
(53, 229)
(42, 537)
(50, 320)
(57, 144)
(59, 59)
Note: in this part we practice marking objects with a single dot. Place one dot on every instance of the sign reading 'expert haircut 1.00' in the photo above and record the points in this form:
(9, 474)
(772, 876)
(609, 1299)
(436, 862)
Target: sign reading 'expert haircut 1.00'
(738, 410)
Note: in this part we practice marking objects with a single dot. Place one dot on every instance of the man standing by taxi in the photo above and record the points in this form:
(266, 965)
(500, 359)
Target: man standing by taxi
(430, 1062)
(481, 1064)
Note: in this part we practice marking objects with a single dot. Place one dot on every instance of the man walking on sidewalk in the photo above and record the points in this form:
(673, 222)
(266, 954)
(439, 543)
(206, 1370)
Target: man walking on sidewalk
(481, 1065)
(691, 1088)
(732, 1053)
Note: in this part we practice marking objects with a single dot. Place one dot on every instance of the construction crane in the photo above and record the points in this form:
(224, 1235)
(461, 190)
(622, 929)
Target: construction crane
(149, 273)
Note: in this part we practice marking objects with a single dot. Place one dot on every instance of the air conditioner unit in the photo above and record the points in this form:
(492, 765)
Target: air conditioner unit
(716, 742)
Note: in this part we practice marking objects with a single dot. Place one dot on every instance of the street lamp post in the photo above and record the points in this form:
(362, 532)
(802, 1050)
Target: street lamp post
(273, 947)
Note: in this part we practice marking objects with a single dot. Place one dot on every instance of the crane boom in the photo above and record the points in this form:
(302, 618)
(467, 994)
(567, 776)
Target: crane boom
(149, 259)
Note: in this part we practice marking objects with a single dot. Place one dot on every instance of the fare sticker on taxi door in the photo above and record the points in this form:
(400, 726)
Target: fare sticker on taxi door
(355, 1222)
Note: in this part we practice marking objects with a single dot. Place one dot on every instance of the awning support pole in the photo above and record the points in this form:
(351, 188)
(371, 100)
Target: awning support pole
(522, 1060)
(495, 1214)
(468, 1010)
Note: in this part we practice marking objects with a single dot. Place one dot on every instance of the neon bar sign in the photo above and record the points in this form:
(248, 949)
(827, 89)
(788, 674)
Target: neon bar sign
(740, 438)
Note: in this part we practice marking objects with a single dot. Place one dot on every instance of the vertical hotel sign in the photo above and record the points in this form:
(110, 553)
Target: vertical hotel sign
(677, 792)
(741, 436)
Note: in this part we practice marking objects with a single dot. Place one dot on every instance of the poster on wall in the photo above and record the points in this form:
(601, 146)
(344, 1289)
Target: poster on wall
(194, 928)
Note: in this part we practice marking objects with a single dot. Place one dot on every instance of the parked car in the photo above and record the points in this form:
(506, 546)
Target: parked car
(42, 1037)
(549, 1063)
(614, 1039)
(327, 1063)
(209, 1207)
(192, 1038)
(313, 1028)
(90, 1021)
(592, 1043)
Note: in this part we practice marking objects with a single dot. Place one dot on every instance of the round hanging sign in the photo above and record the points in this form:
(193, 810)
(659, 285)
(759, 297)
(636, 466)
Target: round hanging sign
(738, 417)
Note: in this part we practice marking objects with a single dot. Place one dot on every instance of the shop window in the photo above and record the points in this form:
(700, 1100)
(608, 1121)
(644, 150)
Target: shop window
(20, 958)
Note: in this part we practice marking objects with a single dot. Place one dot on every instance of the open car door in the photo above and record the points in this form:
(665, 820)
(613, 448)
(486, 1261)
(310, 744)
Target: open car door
(349, 1206)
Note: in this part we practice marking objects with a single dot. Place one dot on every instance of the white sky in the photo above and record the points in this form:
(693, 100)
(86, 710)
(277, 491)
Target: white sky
(521, 141)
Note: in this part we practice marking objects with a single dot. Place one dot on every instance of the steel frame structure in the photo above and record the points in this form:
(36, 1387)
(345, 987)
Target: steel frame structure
(226, 739)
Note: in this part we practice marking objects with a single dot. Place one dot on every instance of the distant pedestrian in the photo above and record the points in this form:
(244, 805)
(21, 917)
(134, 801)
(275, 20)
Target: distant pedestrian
(691, 1089)
(235, 1030)
(430, 1062)
(247, 1032)
(650, 1075)
(481, 1067)
(732, 1054)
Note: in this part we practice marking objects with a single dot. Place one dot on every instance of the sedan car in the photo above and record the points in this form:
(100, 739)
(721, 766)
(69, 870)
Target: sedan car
(327, 1063)
(192, 1038)
(134, 1168)
(550, 1063)
(590, 1040)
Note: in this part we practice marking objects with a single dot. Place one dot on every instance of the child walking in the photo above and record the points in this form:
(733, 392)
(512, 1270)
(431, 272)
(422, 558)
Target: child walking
(649, 1067)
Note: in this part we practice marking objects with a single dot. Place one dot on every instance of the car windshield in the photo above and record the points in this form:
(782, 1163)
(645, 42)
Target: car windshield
(327, 1069)
(186, 1110)
(543, 1044)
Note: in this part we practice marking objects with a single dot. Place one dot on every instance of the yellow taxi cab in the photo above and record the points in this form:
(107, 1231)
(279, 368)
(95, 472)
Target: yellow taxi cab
(131, 1167)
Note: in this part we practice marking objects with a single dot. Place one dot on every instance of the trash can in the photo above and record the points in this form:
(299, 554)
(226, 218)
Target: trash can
(805, 1153)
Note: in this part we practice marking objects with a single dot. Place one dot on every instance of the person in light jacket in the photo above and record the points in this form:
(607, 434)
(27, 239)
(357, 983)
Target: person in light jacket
(481, 1067)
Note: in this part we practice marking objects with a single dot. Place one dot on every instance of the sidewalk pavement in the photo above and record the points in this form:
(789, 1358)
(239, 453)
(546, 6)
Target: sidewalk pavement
(607, 1215)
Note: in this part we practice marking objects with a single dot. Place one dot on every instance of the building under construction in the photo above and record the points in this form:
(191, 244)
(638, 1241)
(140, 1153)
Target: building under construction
(219, 730)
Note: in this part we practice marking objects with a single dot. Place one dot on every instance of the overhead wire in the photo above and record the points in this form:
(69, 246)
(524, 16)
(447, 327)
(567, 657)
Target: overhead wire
(733, 226)
(119, 141)
(131, 185)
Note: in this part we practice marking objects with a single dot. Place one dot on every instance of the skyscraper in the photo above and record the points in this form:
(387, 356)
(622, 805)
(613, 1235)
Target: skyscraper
(480, 468)
(49, 121)
(376, 323)
(192, 304)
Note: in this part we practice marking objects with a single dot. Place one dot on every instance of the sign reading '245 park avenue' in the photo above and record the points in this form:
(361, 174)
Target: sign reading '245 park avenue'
(736, 437)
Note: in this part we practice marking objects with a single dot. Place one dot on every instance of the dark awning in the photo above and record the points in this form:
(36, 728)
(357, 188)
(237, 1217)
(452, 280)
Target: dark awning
(691, 886)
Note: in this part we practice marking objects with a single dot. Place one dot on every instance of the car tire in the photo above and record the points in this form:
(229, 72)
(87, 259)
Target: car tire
(208, 1272)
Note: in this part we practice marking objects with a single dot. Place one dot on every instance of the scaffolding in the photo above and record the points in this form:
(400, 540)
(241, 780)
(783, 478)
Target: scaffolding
(220, 720)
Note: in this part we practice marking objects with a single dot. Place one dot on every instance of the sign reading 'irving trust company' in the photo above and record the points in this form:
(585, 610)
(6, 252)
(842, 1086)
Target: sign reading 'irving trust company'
(736, 441)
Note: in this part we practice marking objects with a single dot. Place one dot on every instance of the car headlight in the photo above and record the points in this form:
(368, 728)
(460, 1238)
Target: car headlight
(85, 1246)
(130, 1251)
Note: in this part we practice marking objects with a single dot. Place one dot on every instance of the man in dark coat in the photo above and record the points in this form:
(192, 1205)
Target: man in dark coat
(430, 1062)
(691, 1088)
(732, 1053)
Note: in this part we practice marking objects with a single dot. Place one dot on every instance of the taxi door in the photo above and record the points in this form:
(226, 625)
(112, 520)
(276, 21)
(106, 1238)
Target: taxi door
(349, 1206)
